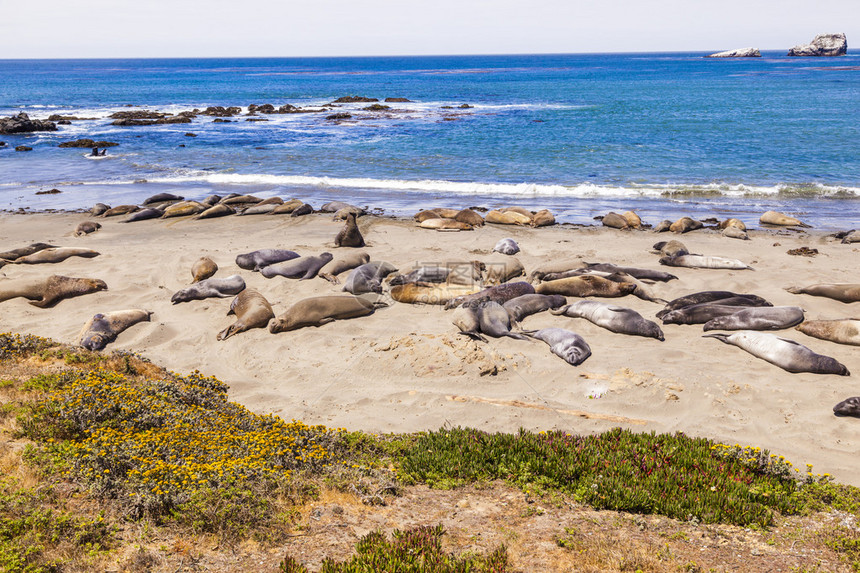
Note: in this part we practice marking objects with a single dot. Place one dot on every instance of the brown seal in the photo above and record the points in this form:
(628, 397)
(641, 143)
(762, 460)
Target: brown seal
(844, 331)
(737, 223)
(422, 216)
(685, 225)
(287, 207)
(48, 292)
(13, 254)
(585, 285)
(184, 209)
(99, 209)
(87, 227)
(633, 220)
(844, 292)
(349, 236)
(214, 211)
(320, 310)
(502, 268)
(342, 263)
(508, 218)
(430, 293)
(120, 210)
(445, 224)
(241, 200)
(671, 248)
(252, 311)
(55, 255)
(543, 218)
(470, 218)
(615, 221)
(500, 294)
(203, 269)
(780, 219)
(103, 328)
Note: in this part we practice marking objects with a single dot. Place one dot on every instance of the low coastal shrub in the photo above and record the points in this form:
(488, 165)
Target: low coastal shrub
(417, 550)
(673, 475)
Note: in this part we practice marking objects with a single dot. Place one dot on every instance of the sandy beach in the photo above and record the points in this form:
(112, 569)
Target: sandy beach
(406, 368)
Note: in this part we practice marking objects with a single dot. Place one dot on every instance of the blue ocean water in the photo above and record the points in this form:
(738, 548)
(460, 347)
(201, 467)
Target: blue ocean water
(665, 134)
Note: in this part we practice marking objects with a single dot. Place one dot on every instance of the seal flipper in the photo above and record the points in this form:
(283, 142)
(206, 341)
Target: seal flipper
(474, 335)
(719, 336)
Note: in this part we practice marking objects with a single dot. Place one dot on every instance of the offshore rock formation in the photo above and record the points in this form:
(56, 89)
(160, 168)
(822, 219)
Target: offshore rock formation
(822, 45)
(742, 53)
(22, 123)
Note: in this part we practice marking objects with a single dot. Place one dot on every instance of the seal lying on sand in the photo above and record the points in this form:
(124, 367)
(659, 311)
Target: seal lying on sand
(507, 247)
(787, 354)
(103, 328)
(500, 269)
(430, 293)
(342, 262)
(87, 227)
(256, 260)
(221, 288)
(203, 269)
(671, 248)
(320, 310)
(705, 262)
(55, 255)
(568, 345)
(844, 292)
(528, 304)
(24, 251)
(613, 318)
(46, 293)
(845, 331)
(848, 407)
(252, 311)
(634, 272)
(488, 318)
(143, 215)
(464, 273)
(712, 296)
(586, 285)
(500, 294)
(368, 277)
(701, 313)
(302, 268)
(758, 318)
(780, 219)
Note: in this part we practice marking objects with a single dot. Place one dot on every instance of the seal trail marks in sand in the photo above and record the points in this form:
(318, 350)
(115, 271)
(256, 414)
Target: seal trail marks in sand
(566, 344)
(103, 328)
(252, 310)
(789, 355)
(531, 405)
(613, 318)
(221, 288)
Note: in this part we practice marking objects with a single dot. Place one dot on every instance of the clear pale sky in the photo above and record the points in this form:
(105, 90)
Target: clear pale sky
(286, 28)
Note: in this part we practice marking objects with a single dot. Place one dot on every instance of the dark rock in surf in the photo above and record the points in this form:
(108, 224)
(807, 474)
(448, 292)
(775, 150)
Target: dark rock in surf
(88, 143)
(22, 123)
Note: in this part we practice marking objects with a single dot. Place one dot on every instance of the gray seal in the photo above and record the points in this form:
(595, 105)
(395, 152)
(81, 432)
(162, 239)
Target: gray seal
(488, 318)
(789, 355)
(320, 310)
(566, 344)
(614, 318)
(758, 318)
(305, 209)
(699, 313)
(634, 272)
(341, 263)
(87, 227)
(848, 407)
(103, 328)
(45, 293)
(501, 294)
(671, 248)
(252, 311)
(507, 247)
(465, 273)
(221, 288)
(256, 260)
(349, 235)
(55, 255)
(528, 304)
(368, 277)
(711, 296)
(143, 215)
(13, 254)
(302, 268)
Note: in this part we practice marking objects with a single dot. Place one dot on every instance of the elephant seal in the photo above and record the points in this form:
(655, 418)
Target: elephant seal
(203, 269)
(45, 293)
(705, 262)
(699, 313)
(209, 288)
(615, 221)
(256, 260)
(851, 237)
(844, 292)
(500, 269)
(507, 247)
(349, 236)
(528, 304)
(633, 220)
(430, 293)
(335, 206)
(161, 198)
(211, 200)
(465, 273)
(423, 215)
(586, 285)
(341, 263)
(13, 254)
(234, 199)
(444, 224)
(685, 225)
(663, 226)
(507, 218)
(848, 407)
(302, 268)
(287, 207)
(368, 277)
(780, 219)
(500, 294)
(845, 331)
(735, 233)
(634, 272)
(87, 227)
(55, 255)
(520, 210)
(303, 209)
(671, 248)
(264, 207)
(758, 318)
(320, 310)
(217, 210)
(543, 218)
(488, 318)
(737, 223)
(99, 209)
(120, 210)
(614, 318)
(252, 311)
(789, 355)
(568, 345)
(143, 215)
(103, 328)
(184, 209)
(469, 217)
(712, 296)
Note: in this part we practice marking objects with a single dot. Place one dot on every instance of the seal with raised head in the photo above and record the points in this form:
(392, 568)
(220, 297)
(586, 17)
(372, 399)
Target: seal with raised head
(256, 260)
(45, 293)
(614, 318)
(843, 292)
(320, 310)
(302, 268)
(507, 247)
(501, 294)
(586, 285)
(789, 355)
(564, 343)
(209, 288)
(780, 220)
(844, 331)
(705, 262)
(103, 328)
(342, 262)
(349, 235)
(13, 254)
(488, 318)
(55, 255)
(202, 269)
(528, 304)
(758, 318)
(252, 310)
(87, 227)
(368, 277)
(848, 407)
(671, 248)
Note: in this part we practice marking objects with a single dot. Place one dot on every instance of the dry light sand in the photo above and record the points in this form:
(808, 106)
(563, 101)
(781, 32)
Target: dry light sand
(405, 368)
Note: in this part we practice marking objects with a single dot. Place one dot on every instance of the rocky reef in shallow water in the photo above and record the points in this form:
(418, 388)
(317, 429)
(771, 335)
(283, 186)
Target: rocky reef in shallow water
(22, 123)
